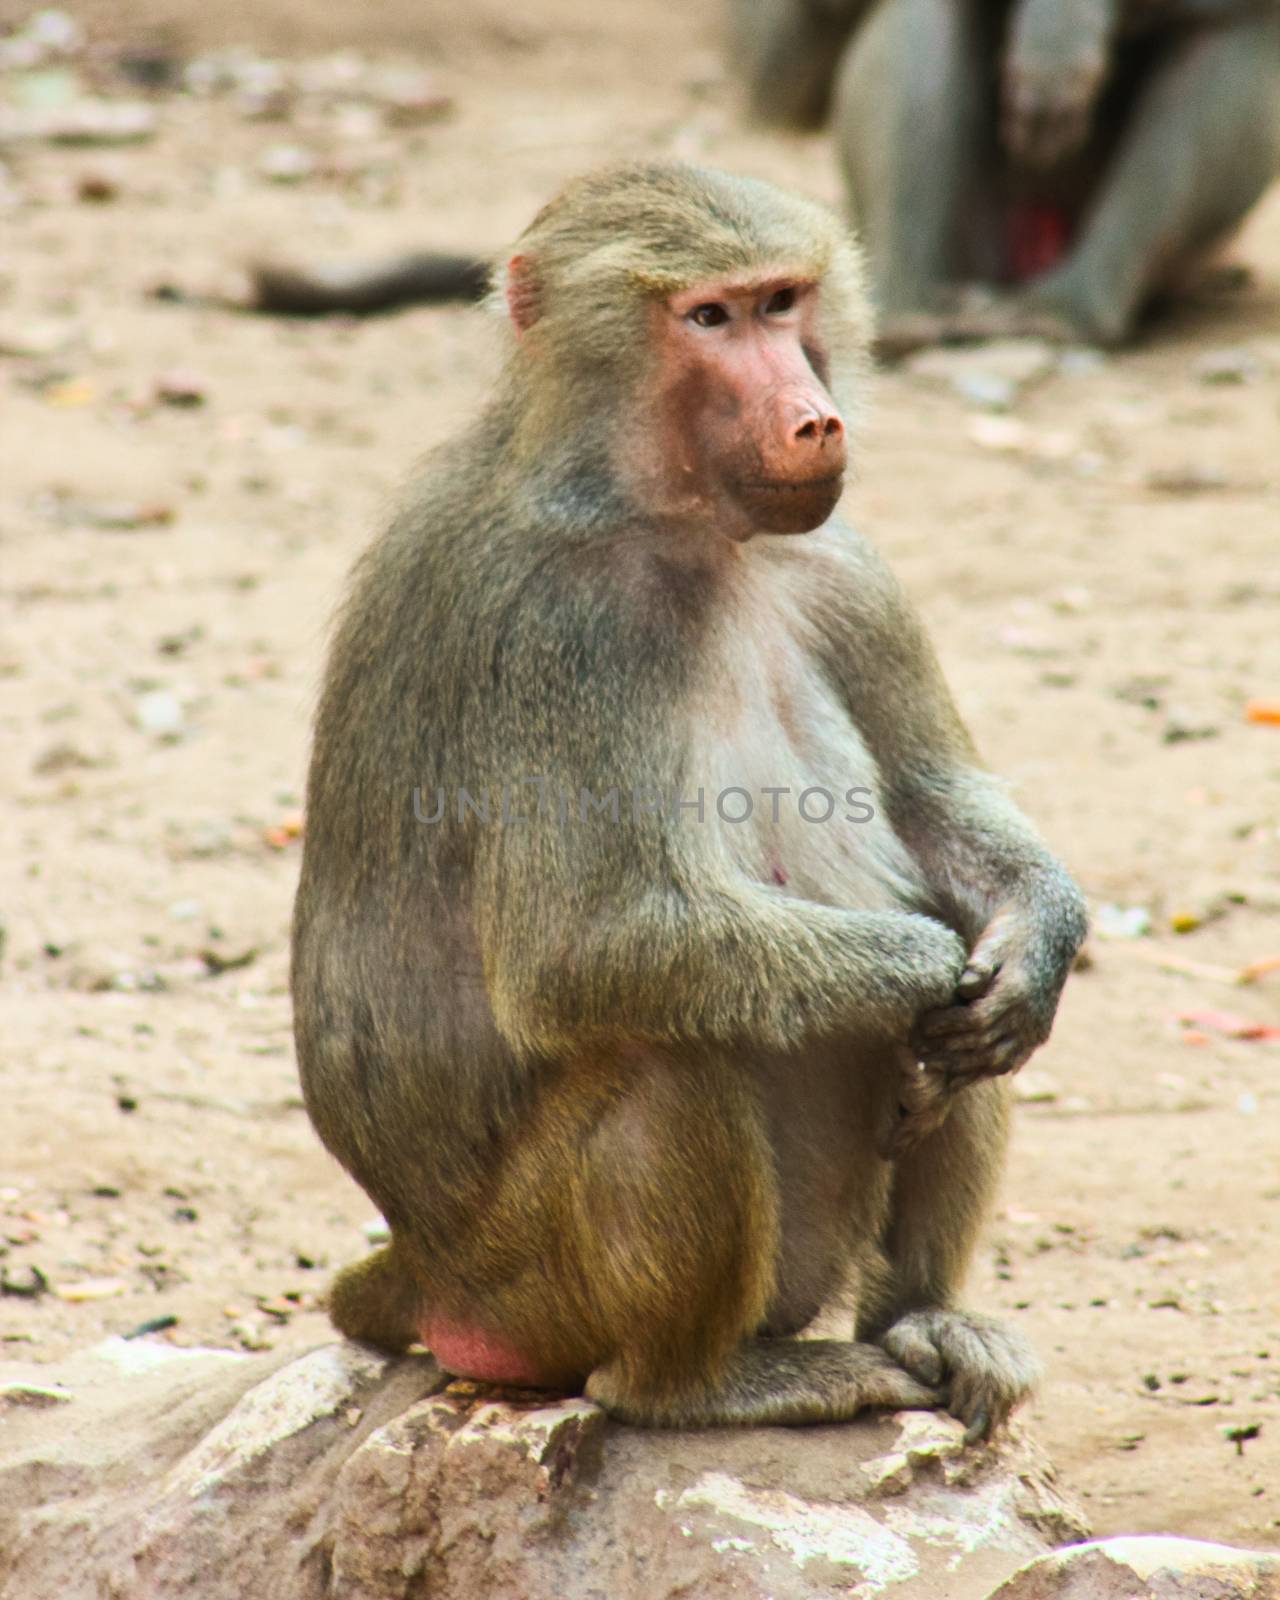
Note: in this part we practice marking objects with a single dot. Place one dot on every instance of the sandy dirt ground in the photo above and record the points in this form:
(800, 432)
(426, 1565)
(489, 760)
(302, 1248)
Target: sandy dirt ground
(1100, 566)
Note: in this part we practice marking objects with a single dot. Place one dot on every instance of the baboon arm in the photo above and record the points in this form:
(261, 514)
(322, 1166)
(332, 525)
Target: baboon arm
(578, 944)
(978, 852)
(572, 955)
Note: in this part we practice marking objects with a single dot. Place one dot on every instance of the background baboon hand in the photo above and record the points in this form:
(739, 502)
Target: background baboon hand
(1002, 1009)
(1056, 64)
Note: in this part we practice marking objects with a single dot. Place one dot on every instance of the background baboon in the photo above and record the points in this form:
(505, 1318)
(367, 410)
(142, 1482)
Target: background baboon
(1085, 150)
(1068, 157)
(622, 1079)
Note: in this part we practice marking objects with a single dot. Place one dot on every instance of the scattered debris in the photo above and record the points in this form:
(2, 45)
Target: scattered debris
(993, 375)
(1240, 1433)
(91, 1289)
(1189, 478)
(218, 963)
(86, 122)
(1031, 1088)
(1228, 1023)
(1182, 726)
(1121, 922)
(63, 757)
(289, 828)
(1228, 366)
(152, 1325)
(37, 339)
(25, 1283)
(111, 516)
(1264, 712)
(181, 387)
(98, 186)
(286, 163)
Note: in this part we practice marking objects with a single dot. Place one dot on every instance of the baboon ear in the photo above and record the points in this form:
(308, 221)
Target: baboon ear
(523, 294)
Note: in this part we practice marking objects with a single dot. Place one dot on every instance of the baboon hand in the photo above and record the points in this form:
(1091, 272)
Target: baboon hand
(919, 1107)
(985, 1368)
(1001, 1012)
(1056, 63)
(930, 961)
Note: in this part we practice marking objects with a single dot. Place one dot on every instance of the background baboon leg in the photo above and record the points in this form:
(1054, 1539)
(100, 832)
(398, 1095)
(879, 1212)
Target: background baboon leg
(772, 1381)
(914, 119)
(1202, 145)
(787, 53)
(377, 1301)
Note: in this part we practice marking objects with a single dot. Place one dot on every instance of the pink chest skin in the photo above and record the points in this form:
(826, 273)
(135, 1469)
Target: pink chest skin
(468, 1352)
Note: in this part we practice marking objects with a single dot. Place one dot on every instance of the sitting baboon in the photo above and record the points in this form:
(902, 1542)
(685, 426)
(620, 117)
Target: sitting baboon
(646, 1045)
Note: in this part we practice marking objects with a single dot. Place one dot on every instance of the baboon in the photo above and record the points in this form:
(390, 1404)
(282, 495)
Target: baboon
(1072, 157)
(642, 1076)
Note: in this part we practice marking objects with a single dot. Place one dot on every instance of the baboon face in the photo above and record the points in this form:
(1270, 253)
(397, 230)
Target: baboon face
(749, 423)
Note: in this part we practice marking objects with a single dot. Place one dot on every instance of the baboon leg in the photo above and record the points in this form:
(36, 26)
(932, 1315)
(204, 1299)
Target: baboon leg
(786, 53)
(643, 1267)
(943, 1188)
(1202, 145)
(770, 1381)
(915, 128)
(377, 1301)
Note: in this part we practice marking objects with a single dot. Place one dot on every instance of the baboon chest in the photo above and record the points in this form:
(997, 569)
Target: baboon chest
(790, 793)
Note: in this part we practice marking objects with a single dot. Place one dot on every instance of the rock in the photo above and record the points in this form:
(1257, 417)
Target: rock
(87, 122)
(986, 389)
(1228, 366)
(286, 163)
(160, 714)
(181, 387)
(1190, 478)
(348, 1475)
(1148, 1567)
(37, 340)
(992, 375)
(1121, 922)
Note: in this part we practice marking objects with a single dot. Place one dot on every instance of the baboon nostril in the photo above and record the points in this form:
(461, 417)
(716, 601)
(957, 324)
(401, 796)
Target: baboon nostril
(818, 429)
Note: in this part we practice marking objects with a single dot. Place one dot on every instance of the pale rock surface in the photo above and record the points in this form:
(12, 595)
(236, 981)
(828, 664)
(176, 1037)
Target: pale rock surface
(141, 1472)
(1147, 1567)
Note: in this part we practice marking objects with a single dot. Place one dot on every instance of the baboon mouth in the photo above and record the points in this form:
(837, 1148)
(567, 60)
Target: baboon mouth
(783, 505)
(832, 483)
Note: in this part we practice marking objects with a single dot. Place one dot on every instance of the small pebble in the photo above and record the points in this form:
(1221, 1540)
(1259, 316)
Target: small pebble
(160, 714)
(286, 163)
(1121, 922)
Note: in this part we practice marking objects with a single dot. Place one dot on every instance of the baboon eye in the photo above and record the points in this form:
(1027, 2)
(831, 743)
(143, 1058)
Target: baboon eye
(710, 315)
(779, 301)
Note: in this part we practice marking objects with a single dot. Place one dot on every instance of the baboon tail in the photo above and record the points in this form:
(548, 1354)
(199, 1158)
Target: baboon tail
(364, 288)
